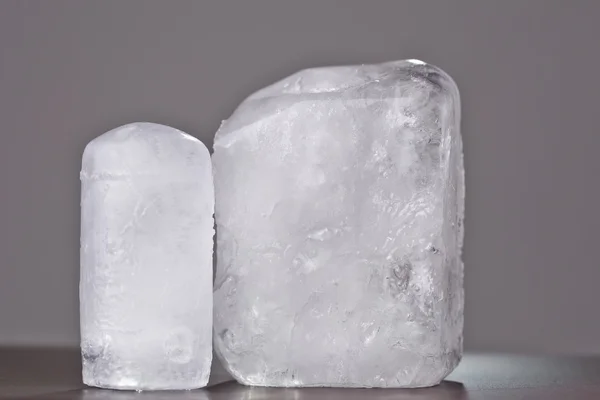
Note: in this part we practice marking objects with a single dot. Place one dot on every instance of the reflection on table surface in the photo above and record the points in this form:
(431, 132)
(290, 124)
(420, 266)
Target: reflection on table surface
(233, 391)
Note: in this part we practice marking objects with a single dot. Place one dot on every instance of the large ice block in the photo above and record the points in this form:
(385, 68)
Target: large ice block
(146, 259)
(339, 214)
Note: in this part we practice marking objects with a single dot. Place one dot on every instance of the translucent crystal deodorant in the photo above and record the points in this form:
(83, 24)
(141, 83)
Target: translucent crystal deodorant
(146, 259)
(340, 203)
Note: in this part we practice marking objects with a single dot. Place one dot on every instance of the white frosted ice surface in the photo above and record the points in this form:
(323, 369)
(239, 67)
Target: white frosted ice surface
(146, 259)
(339, 209)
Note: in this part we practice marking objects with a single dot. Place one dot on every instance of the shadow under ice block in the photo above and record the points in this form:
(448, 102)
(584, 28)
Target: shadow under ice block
(146, 259)
(339, 210)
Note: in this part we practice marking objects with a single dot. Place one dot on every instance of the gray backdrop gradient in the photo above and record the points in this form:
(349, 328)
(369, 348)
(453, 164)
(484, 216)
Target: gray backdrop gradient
(527, 70)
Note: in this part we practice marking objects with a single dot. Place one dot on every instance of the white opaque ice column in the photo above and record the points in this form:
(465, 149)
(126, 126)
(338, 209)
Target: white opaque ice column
(146, 259)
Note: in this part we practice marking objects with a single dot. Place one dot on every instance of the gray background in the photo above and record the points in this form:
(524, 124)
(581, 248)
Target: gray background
(528, 74)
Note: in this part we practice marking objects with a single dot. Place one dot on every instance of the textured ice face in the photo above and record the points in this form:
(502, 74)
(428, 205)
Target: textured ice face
(146, 259)
(339, 213)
